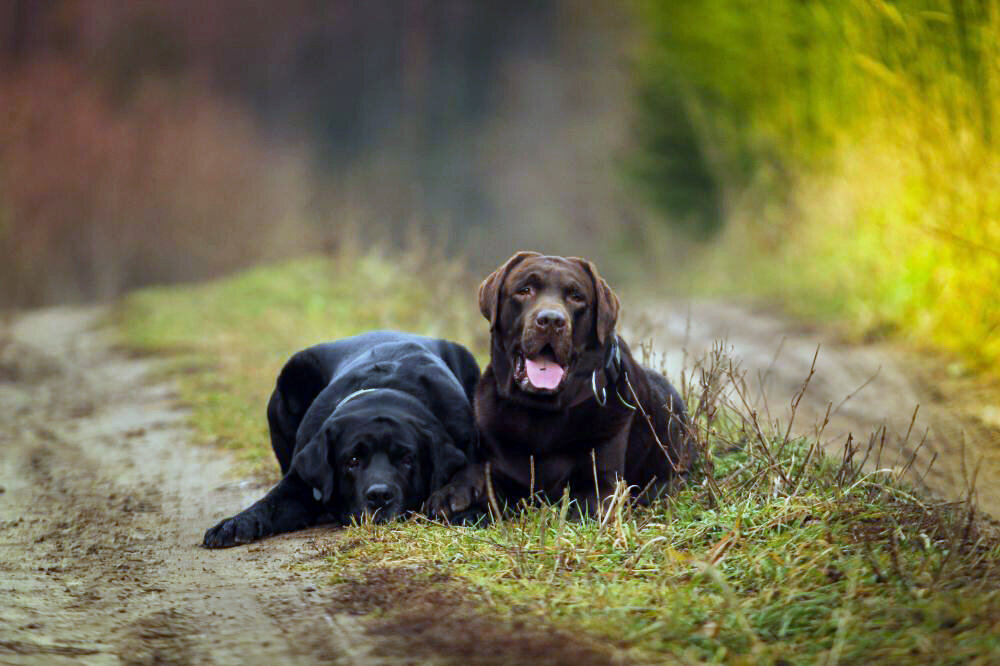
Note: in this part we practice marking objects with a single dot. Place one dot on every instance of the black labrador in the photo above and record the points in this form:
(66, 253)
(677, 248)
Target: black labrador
(371, 424)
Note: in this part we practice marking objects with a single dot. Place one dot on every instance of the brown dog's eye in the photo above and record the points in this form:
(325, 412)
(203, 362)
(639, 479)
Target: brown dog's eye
(577, 297)
(524, 291)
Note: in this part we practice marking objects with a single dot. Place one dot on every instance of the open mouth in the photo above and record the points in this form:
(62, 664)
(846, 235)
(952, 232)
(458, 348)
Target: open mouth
(540, 373)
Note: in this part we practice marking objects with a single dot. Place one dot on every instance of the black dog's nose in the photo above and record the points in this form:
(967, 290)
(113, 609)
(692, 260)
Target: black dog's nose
(379, 495)
(550, 319)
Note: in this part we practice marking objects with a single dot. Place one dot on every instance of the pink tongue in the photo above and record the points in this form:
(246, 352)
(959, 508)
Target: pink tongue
(543, 374)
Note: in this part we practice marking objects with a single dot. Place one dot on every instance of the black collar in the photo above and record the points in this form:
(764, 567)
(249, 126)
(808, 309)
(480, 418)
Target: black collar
(613, 362)
(612, 371)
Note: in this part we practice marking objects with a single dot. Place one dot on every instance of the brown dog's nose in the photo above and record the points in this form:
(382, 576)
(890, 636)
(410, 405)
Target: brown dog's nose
(550, 319)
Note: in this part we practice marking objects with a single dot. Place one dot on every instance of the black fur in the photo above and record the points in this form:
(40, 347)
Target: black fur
(382, 451)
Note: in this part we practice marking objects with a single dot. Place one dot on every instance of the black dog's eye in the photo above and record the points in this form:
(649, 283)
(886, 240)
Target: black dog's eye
(353, 462)
(406, 460)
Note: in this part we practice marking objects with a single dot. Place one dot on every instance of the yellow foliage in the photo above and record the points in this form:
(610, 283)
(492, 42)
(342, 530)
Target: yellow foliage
(895, 227)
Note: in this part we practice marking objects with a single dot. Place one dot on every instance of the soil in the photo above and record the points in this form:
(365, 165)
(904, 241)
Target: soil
(103, 504)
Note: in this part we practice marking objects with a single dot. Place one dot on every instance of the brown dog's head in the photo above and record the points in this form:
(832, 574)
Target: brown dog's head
(550, 319)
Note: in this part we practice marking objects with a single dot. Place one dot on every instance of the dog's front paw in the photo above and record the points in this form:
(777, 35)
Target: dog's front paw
(453, 499)
(241, 528)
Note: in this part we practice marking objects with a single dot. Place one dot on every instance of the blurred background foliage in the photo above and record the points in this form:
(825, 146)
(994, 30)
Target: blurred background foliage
(146, 142)
(842, 156)
(837, 158)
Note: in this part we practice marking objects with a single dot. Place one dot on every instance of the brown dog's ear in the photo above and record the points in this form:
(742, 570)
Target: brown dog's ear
(607, 302)
(489, 290)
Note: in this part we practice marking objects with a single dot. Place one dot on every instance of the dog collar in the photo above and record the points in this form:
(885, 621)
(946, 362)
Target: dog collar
(613, 361)
(352, 396)
(613, 371)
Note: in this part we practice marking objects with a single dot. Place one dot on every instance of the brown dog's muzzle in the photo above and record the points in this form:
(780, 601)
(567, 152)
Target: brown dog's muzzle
(546, 348)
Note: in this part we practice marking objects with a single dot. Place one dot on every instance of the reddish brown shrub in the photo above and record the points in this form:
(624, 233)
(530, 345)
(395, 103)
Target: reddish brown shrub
(95, 198)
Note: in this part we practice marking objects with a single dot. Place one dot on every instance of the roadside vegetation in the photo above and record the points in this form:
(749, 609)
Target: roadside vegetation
(774, 553)
(851, 145)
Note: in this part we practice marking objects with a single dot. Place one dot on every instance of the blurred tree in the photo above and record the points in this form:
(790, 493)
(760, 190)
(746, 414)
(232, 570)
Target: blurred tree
(672, 167)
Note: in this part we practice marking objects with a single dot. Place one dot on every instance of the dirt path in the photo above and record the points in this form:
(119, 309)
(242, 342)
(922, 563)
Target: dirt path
(866, 386)
(102, 507)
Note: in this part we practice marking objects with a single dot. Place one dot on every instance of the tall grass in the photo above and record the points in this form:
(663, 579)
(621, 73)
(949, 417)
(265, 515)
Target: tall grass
(855, 150)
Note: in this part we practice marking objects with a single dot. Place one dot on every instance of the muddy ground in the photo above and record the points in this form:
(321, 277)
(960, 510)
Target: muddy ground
(103, 507)
(103, 504)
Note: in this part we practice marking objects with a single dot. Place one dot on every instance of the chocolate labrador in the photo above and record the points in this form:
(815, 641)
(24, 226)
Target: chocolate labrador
(365, 425)
(563, 403)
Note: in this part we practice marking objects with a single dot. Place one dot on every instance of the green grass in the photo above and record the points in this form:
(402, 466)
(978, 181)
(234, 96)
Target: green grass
(761, 578)
(774, 553)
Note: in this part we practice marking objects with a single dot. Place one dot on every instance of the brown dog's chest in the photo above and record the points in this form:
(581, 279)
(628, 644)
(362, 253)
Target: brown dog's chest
(519, 430)
(560, 445)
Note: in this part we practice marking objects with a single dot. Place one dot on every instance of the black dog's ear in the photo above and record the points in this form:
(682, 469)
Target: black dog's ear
(607, 302)
(490, 289)
(312, 465)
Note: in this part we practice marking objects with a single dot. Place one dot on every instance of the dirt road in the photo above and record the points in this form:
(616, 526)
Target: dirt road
(102, 508)
(103, 504)
(866, 387)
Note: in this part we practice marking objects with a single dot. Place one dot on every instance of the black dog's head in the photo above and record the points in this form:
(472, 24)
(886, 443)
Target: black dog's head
(550, 319)
(380, 453)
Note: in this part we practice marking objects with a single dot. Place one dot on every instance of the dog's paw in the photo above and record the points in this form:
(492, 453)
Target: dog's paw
(452, 500)
(239, 529)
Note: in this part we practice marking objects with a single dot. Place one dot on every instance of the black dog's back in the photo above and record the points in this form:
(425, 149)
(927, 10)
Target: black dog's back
(309, 372)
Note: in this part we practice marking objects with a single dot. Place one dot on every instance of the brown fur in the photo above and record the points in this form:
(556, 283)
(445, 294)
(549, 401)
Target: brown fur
(564, 307)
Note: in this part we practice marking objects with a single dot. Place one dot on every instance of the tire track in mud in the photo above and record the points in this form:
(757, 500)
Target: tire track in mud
(867, 387)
